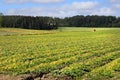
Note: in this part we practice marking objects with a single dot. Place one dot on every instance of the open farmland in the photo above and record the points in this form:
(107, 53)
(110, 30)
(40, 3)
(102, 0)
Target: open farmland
(78, 53)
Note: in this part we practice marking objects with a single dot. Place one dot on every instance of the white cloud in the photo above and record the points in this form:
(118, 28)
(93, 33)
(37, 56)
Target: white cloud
(37, 11)
(84, 5)
(81, 5)
(35, 1)
(117, 6)
(75, 8)
(80, 8)
(104, 11)
(115, 1)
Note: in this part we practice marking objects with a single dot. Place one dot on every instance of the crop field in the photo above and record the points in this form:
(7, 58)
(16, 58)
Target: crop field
(78, 53)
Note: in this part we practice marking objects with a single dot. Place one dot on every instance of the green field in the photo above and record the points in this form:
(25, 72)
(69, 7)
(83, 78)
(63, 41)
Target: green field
(79, 53)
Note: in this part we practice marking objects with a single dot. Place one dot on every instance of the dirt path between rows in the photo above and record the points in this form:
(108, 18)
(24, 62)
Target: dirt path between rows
(33, 77)
(8, 77)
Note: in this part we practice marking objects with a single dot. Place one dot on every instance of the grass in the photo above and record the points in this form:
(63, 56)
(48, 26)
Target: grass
(18, 31)
(76, 52)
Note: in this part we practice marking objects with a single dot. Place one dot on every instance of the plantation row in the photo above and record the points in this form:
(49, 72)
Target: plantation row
(80, 55)
(110, 70)
(80, 68)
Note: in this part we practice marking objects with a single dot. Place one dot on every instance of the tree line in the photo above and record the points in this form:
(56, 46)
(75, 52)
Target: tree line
(1, 19)
(90, 21)
(48, 23)
(29, 22)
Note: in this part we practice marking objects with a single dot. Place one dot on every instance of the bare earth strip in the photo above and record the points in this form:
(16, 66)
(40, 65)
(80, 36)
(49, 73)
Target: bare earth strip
(7, 77)
(33, 77)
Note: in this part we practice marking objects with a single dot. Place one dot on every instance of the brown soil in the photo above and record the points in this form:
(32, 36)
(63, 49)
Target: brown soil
(8, 77)
(33, 77)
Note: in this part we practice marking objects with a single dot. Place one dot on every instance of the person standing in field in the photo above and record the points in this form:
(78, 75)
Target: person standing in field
(94, 30)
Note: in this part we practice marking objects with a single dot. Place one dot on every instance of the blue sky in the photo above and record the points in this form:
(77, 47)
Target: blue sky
(60, 8)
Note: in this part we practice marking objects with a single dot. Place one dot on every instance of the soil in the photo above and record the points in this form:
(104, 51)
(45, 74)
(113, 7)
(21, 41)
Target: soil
(33, 77)
(8, 77)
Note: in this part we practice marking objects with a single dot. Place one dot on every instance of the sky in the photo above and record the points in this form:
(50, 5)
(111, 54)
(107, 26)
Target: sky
(60, 8)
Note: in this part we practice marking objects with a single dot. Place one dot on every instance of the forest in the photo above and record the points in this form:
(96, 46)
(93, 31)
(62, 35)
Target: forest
(48, 23)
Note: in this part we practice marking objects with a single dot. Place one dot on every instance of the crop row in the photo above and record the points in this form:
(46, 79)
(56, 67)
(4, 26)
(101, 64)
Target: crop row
(30, 66)
(80, 68)
(108, 71)
(42, 56)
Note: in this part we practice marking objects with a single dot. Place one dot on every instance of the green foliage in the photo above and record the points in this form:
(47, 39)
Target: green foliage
(48, 23)
(76, 52)
(1, 19)
(29, 22)
(90, 21)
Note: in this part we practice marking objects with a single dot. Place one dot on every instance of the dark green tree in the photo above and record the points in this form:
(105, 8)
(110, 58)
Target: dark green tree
(1, 19)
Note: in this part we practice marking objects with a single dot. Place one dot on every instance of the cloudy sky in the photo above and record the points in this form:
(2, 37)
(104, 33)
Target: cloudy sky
(60, 8)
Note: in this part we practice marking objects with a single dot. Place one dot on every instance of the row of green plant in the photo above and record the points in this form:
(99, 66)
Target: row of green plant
(108, 71)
